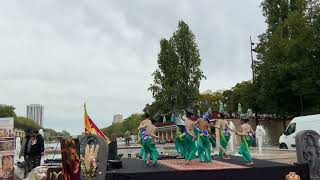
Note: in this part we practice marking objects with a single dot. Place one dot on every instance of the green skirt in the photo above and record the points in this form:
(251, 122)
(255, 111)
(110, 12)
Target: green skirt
(196, 132)
(224, 139)
(141, 153)
(189, 147)
(204, 148)
(213, 142)
(150, 150)
(246, 143)
(179, 144)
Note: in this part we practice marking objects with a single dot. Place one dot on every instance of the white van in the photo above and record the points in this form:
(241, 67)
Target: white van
(288, 138)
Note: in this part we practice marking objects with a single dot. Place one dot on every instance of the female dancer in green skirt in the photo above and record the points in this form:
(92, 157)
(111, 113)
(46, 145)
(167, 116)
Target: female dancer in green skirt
(140, 140)
(179, 141)
(223, 136)
(186, 146)
(147, 132)
(246, 140)
(204, 145)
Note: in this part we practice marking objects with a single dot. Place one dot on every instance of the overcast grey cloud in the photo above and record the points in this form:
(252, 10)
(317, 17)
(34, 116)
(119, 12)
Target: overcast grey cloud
(63, 53)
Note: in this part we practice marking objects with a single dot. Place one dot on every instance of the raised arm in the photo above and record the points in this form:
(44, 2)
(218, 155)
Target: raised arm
(196, 122)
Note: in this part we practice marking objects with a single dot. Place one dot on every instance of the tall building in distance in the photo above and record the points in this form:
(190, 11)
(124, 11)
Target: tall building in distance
(117, 118)
(35, 112)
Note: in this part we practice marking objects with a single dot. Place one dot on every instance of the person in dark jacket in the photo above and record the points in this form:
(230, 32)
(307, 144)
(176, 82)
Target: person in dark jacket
(25, 149)
(37, 149)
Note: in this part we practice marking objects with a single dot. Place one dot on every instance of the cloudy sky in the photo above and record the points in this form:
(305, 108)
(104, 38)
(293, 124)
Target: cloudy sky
(62, 53)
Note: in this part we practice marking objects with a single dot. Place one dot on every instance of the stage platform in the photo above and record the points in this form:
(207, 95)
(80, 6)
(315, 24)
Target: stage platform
(233, 169)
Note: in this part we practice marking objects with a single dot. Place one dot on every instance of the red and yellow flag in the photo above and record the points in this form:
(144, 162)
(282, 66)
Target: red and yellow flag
(91, 128)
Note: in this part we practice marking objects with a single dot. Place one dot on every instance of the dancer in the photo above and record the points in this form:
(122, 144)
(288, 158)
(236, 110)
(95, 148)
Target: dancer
(144, 123)
(189, 138)
(223, 133)
(246, 140)
(211, 121)
(204, 145)
(140, 140)
(179, 141)
(147, 130)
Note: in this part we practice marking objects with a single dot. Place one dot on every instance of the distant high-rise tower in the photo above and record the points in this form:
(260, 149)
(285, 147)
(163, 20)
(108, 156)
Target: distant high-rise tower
(35, 112)
(117, 118)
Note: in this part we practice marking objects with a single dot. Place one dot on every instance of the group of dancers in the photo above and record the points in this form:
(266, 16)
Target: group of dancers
(197, 136)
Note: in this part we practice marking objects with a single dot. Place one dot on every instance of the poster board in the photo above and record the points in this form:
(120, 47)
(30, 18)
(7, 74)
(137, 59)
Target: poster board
(7, 148)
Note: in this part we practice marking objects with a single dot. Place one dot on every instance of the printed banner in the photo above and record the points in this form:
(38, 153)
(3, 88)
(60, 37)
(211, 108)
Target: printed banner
(6, 149)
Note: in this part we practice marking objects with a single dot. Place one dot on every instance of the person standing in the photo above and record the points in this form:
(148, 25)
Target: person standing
(127, 135)
(37, 149)
(247, 140)
(233, 139)
(24, 151)
(189, 138)
(204, 145)
(142, 131)
(224, 137)
(147, 131)
(179, 140)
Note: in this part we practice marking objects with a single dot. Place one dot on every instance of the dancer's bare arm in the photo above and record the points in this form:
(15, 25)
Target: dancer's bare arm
(243, 133)
(153, 131)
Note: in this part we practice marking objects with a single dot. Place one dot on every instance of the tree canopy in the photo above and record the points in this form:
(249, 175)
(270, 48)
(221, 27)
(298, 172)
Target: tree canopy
(177, 78)
(288, 67)
(131, 123)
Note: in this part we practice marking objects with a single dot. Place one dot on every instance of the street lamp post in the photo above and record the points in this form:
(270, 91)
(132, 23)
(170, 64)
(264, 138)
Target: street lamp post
(253, 75)
(252, 65)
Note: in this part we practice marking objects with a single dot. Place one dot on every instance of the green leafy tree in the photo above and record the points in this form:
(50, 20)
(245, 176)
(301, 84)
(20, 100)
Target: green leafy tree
(177, 79)
(131, 123)
(207, 101)
(7, 111)
(25, 123)
(288, 67)
(243, 93)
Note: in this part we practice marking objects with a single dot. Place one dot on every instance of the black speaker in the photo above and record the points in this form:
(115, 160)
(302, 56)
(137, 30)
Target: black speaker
(113, 151)
(114, 164)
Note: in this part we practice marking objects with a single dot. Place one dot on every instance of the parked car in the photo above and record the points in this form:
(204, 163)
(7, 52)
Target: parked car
(288, 139)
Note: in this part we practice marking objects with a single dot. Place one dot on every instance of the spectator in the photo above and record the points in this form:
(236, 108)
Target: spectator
(36, 150)
(25, 149)
(127, 137)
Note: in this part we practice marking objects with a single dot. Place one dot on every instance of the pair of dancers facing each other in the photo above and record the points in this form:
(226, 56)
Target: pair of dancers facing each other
(196, 136)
